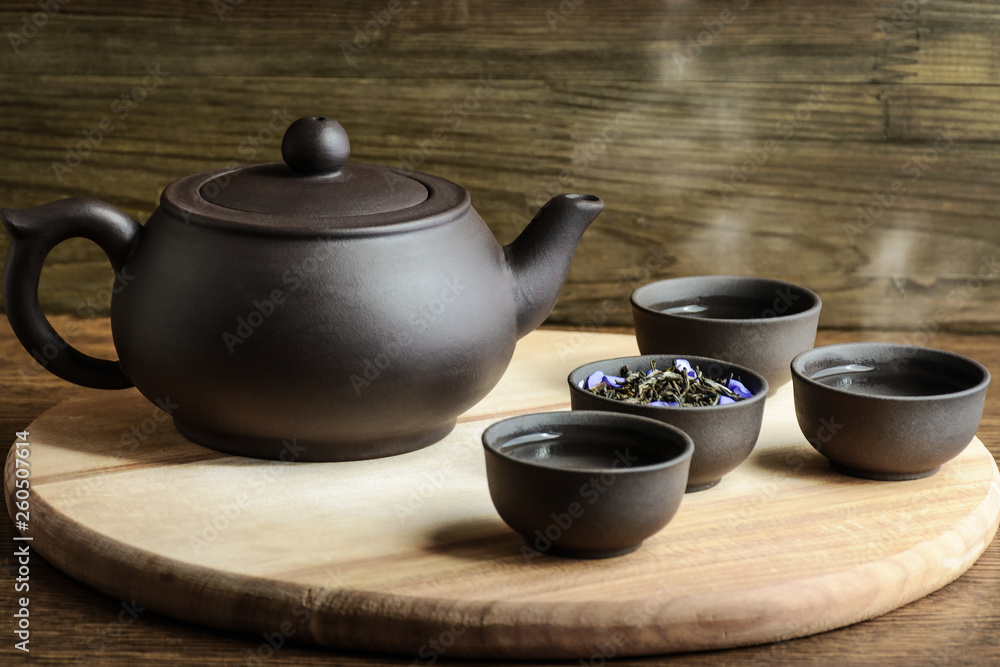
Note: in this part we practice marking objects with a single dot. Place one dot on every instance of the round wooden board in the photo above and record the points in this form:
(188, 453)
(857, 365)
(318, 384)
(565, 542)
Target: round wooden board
(407, 554)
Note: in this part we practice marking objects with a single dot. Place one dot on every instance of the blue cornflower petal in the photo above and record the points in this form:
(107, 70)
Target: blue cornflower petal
(614, 381)
(658, 404)
(739, 388)
(725, 400)
(596, 378)
(685, 366)
(580, 383)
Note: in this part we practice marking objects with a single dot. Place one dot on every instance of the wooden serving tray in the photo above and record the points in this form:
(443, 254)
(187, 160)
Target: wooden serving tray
(407, 554)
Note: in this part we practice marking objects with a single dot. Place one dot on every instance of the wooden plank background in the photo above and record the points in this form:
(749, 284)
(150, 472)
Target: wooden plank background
(866, 133)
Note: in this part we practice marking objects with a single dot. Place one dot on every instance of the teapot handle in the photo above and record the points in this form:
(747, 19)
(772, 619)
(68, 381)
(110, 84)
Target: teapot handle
(33, 233)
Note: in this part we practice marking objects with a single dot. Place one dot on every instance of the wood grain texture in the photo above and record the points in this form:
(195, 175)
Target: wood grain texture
(749, 40)
(956, 625)
(850, 148)
(407, 553)
(575, 41)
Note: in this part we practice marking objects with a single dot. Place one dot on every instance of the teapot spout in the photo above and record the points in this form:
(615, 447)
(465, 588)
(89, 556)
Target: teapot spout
(539, 258)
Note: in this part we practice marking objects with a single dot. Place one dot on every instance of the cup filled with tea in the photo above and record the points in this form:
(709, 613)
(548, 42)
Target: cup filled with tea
(760, 323)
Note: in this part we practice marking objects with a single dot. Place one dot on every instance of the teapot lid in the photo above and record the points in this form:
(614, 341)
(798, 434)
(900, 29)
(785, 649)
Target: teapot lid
(314, 191)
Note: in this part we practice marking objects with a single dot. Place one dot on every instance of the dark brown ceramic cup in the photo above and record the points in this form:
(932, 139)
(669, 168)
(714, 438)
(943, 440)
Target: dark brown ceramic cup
(759, 323)
(585, 484)
(888, 411)
(723, 435)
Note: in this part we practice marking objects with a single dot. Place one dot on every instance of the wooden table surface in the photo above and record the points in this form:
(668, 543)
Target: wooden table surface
(71, 624)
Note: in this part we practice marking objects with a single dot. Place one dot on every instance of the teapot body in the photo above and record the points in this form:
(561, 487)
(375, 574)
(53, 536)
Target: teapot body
(311, 347)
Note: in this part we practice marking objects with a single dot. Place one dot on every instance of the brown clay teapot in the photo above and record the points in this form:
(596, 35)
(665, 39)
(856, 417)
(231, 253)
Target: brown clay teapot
(314, 310)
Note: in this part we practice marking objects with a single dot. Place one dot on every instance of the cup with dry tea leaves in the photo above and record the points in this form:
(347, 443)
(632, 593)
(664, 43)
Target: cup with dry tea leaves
(719, 404)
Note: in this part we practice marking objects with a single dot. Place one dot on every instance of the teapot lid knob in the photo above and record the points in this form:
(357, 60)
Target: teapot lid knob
(315, 145)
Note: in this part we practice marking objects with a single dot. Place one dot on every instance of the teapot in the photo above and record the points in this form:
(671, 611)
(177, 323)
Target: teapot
(313, 309)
